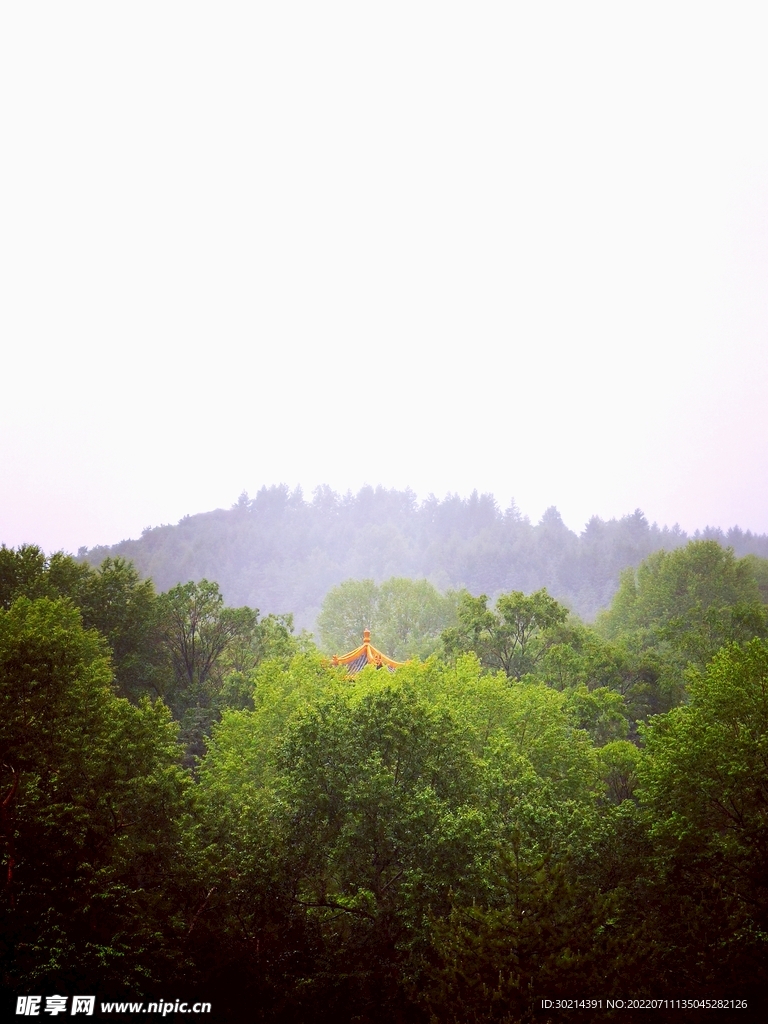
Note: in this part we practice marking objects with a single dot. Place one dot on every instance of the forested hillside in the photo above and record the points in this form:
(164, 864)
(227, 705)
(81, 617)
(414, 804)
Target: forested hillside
(281, 553)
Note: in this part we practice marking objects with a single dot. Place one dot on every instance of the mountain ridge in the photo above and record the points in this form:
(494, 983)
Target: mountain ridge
(282, 553)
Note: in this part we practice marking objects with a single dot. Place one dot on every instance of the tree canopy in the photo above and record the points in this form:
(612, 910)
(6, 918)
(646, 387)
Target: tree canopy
(194, 799)
(93, 795)
(282, 552)
(406, 617)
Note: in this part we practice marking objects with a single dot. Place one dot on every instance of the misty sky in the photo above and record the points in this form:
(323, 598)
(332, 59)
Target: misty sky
(514, 247)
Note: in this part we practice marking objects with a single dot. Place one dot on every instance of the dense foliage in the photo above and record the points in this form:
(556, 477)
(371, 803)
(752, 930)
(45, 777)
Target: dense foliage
(280, 552)
(192, 799)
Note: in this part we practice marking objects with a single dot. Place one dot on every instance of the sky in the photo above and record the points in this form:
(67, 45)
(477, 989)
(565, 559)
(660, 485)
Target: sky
(518, 248)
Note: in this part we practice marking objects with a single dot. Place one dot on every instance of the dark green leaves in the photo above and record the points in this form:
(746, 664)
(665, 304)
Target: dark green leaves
(93, 826)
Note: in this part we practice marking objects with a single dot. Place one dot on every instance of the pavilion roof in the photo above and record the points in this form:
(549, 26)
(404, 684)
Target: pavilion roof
(365, 654)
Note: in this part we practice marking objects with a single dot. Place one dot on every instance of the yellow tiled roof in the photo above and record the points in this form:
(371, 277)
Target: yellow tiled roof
(364, 655)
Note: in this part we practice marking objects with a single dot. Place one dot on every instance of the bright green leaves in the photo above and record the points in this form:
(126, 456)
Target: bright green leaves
(685, 582)
(376, 786)
(27, 572)
(619, 761)
(708, 766)
(54, 677)
(242, 749)
(600, 712)
(514, 638)
(350, 807)
(111, 599)
(677, 610)
(373, 807)
(688, 603)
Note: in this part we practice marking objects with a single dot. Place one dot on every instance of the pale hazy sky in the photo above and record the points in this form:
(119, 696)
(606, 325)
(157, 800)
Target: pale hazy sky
(521, 248)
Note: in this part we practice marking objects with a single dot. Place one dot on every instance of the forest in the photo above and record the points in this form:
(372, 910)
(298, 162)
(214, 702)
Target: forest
(195, 803)
(281, 552)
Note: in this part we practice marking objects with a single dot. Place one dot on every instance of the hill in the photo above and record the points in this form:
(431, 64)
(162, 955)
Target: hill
(280, 553)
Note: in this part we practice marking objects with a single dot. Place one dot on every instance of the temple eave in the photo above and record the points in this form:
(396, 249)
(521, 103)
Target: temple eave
(366, 654)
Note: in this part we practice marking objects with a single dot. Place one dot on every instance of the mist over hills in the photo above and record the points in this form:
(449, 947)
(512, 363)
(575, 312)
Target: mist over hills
(281, 553)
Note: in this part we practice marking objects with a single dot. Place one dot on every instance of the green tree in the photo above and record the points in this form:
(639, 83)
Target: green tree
(703, 787)
(345, 826)
(378, 789)
(512, 638)
(406, 617)
(534, 922)
(581, 659)
(347, 610)
(619, 762)
(90, 828)
(600, 712)
(214, 652)
(677, 588)
(343, 819)
(682, 606)
(199, 630)
(112, 599)
(203, 638)
(127, 612)
(28, 572)
(759, 569)
(411, 615)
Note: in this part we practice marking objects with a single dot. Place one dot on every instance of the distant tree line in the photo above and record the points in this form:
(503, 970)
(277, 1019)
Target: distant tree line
(282, 553)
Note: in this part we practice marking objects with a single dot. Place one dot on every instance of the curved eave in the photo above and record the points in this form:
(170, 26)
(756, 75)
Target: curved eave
(366, 654)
